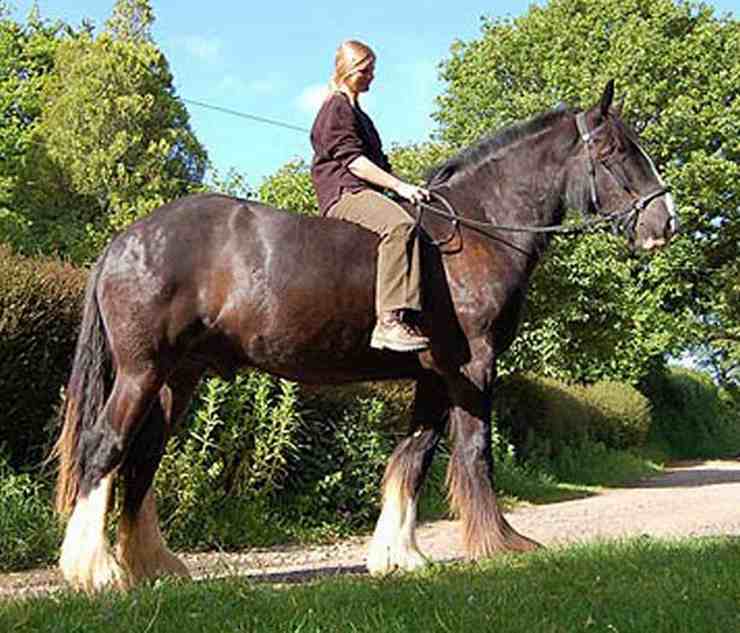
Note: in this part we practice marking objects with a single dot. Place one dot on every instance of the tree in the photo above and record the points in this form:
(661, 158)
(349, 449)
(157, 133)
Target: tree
(131, 21)
(26, 60)
(112, 134)
(290, 188)
(593, 309)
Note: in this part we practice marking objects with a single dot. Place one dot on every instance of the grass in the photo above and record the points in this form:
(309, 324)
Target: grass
(637, 585)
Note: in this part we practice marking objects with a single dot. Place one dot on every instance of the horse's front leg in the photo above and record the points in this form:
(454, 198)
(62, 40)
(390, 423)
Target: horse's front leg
(393, 545)
(470, 475)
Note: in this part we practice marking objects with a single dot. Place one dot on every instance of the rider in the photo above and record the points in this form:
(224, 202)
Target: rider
(350, 172)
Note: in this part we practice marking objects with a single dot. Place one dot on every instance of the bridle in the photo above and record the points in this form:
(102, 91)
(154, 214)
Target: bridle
(622, 220)
(625, 220)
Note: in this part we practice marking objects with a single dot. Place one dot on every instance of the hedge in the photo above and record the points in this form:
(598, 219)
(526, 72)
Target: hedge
(40, 303)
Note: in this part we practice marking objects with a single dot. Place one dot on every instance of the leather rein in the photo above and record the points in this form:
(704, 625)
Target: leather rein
(620, 220)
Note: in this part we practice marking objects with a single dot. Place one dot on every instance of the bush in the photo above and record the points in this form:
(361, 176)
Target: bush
(29, 531)
(290, 188)
(543, 416)
(540, 415)
(621, 414)
(229, 463)
(593, 463)
(692, 418)
(344, 448)
(40, 303)
(261, 461)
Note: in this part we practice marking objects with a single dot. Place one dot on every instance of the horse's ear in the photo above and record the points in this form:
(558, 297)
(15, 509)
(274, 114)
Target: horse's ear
(607, 98)
(619, 107)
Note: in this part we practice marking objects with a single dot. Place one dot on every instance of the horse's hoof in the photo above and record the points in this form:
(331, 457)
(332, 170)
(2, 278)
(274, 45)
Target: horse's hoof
(98, 572)
(383, 561)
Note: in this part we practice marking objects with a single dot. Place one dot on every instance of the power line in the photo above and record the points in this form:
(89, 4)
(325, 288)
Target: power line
(244, 115)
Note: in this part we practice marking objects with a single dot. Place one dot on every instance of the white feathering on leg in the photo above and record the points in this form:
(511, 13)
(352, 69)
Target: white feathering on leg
(86, 560)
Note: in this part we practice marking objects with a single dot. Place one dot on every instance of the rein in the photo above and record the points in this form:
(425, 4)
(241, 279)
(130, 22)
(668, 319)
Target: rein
(625, 219)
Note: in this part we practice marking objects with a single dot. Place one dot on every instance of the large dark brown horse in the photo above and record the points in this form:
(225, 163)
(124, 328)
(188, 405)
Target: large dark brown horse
(212, 283)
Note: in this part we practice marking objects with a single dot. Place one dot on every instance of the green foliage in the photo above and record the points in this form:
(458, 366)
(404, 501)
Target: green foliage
(678, 68)
(100, 138)
(412, 162)
(692, 417)
(260, 462)
(26, 59)
(587, 319)
(29, 532)
(543, 417)
(622, 414)
(229, 462)
(40, 304)
(291, 188)
(231, 183)
(344, 450)
(131, 20)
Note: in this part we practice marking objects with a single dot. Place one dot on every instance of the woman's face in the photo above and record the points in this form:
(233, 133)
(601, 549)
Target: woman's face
(360, 79)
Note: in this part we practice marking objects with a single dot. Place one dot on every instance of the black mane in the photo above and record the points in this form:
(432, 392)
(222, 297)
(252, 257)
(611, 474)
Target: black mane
(478, 152)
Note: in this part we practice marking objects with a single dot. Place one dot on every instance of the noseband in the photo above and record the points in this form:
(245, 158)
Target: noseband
(625, 220)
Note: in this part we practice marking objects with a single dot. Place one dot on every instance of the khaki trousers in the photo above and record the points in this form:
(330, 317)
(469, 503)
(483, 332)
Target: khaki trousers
(398, 283)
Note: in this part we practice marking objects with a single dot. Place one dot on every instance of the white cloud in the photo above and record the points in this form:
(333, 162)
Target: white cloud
(263, 86)
(311, 98)
(206, 49)
(234, 85)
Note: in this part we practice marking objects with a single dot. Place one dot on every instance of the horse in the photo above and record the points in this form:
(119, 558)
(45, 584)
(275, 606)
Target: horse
(210, 283)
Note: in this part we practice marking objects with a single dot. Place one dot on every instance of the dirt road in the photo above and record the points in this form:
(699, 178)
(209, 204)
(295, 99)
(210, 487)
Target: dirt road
(689, 500)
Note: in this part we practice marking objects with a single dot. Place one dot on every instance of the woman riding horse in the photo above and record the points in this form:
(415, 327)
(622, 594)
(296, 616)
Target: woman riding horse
(349, 172)
(210, 283)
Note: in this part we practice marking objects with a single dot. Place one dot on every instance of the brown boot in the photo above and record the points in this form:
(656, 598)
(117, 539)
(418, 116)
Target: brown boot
(392, 333)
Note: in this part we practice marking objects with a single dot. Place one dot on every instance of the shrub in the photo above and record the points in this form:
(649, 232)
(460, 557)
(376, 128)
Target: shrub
(40, 302)
(542, 416)
(691, 416)
(290, 188)
(344, 448)
(261, 461)
(621, 414)
(229, 462)
(29, 531)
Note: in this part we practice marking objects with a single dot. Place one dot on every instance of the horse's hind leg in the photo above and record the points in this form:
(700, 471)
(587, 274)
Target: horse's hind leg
(141, 549)
(393, 545)
(86, 559)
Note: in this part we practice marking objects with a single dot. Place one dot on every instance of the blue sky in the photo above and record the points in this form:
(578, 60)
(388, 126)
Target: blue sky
(272, 59)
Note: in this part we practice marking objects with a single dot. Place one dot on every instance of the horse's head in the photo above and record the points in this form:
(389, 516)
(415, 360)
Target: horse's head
(624, 184)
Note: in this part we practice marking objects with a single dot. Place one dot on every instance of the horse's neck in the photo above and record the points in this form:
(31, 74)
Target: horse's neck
(522, 186)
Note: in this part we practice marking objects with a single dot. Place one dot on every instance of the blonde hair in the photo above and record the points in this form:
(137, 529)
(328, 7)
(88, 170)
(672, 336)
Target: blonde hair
(351, 56)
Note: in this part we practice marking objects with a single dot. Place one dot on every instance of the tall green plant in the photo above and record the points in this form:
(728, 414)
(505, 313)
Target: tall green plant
(230, 460)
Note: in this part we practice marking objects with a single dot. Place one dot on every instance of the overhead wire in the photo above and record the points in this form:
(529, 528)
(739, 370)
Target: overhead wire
(245, 115)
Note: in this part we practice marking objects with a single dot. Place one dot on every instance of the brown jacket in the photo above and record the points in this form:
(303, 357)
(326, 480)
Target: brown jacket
(341, 133)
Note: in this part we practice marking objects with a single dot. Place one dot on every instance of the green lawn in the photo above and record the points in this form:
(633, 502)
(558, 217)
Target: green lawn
(641, 585)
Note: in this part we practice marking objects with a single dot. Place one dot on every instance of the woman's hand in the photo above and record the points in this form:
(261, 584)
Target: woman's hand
(412, 193)
(364, 168)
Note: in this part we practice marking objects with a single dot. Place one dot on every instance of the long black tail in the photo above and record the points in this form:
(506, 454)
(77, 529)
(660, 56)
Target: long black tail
(85, 396)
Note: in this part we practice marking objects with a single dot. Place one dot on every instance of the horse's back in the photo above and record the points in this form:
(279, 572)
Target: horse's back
(200, 235)
(275, 289)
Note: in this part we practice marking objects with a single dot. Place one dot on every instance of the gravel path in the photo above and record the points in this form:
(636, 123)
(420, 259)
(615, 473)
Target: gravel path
(700, 499)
